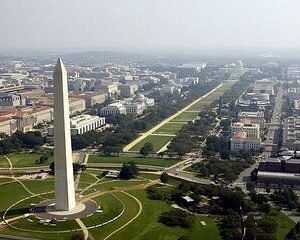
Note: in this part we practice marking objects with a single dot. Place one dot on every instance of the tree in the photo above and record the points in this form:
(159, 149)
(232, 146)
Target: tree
(134, 168)
(42, 159)
(149, 146)
(268, 188)
(161, 154)
(164, 177)
(76, 168)
(177, 217)
(144, 151)
(126, 172)
(266, 209)
(52, 168)
(250, 186)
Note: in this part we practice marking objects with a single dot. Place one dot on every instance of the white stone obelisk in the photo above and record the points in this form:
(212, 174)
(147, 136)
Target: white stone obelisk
(64, 180)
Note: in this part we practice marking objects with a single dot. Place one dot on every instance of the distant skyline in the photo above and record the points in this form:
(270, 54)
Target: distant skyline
(149, 25)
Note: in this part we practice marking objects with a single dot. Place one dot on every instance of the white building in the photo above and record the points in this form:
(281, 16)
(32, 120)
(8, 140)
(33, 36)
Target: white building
(82, 124)
(251, 129)
(252, 117)
(264, 86)
(240, 141)
(113, 109)
(135, 108)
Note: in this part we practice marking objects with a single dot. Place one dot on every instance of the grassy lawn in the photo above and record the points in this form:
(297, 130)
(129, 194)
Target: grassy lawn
(47, 236)
(3, 162)
(20, 160)
(284, 224)
(110, 207)
(157, 141)
(170, 128)
(87, 177)
(39, 186)
(185, 117)
(131, 210)
(149, 176)
(119, 184)
(11, 193)
(5, 180)
(146, 226)
(161, 162)
(212, 97)
(24, 223)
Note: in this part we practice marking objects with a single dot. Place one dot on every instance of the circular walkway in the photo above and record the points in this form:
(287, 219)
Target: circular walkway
(46, 210)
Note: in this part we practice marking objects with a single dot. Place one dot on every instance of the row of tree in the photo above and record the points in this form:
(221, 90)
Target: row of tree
(19, 141)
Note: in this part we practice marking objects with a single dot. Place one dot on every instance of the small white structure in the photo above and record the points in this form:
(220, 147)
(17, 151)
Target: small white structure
(113, 174)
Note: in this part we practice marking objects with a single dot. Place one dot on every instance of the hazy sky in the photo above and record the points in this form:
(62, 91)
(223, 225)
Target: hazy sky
(149, 24)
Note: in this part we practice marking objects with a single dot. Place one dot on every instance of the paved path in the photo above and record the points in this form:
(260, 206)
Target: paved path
(10, 164)
(164, 148)
(131, 220)
(152, 130)
(79, 157)
(83, 227)
(163, 134)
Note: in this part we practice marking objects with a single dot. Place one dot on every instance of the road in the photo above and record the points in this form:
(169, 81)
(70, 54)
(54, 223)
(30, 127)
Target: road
(152, 130)
(271, 142)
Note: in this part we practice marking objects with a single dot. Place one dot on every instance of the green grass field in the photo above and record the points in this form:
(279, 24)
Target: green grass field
(5, 180)
(108, 185)
(39, 186)
(161, 162)
(146, 226)
(157, 141)
(131, 210)
(284, 224)
(185, 117)
(212, 97)
(88, 178)
(110, 206)
(3, 162)
(20, 160)
(170, 128)
(148, 176)
(11, 193)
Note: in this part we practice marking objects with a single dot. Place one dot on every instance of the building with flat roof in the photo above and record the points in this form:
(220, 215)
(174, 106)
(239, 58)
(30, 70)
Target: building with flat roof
(82, 124)
(240, 141)
(291, 133)
(251, 129)
(253, 117)
(113, 109)
(245, 135)
(279, 171)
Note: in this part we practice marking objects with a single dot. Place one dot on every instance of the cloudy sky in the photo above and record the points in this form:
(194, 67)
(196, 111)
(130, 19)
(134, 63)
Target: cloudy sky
(149, 24)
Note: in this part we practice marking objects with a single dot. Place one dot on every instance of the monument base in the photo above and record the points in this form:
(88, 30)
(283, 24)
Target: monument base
(46, 210)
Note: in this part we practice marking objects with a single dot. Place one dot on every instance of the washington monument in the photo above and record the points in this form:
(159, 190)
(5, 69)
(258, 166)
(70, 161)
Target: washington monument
(64, 180)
